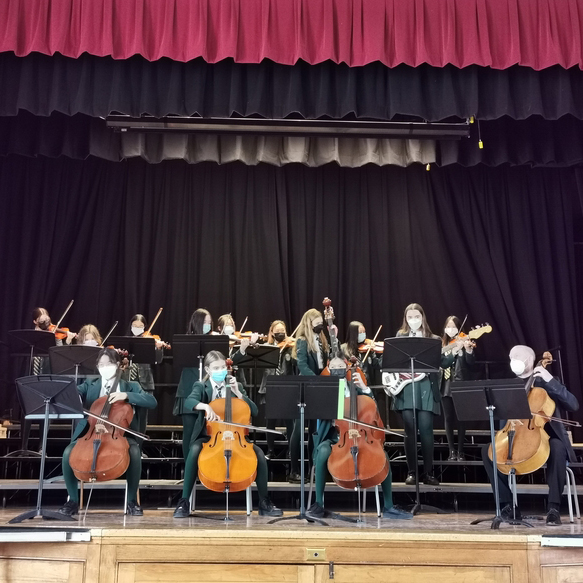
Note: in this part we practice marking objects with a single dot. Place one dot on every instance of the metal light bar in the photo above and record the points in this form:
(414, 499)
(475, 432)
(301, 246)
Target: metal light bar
(291, 127)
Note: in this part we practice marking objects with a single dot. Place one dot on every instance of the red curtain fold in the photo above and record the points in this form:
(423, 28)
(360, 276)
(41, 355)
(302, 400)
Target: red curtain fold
(494, 33)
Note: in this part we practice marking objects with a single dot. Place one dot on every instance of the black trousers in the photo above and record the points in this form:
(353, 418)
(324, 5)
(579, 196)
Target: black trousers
(556, 473)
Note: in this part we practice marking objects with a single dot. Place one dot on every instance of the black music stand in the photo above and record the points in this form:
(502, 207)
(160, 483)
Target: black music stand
(488, 400)
(141, 350)
(76, 360)
(47, 397)
(413, 354)
(31, 343)
(316, 397)
(189, 350)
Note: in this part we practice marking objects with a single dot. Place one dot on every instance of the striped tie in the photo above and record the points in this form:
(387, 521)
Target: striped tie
(447, 373)
(36, 365)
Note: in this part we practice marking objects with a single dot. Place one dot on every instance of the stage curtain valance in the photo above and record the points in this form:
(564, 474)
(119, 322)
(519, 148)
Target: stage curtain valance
(493, 33)
(97, 86)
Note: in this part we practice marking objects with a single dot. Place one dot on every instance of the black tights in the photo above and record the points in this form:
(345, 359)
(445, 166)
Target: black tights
(425, 428)
(450, 420)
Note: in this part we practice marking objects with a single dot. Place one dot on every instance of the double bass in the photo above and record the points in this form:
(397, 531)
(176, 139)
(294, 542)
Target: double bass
(227, 462)
(358, 460)
(523, 444)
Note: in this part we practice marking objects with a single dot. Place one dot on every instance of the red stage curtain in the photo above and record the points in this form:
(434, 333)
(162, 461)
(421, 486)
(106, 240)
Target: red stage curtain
(494, 33)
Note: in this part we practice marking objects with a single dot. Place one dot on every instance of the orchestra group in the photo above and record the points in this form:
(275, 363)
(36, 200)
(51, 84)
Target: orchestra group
(209, 406)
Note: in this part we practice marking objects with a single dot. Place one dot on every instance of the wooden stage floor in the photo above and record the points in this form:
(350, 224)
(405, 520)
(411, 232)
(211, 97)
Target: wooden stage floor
(111, 548)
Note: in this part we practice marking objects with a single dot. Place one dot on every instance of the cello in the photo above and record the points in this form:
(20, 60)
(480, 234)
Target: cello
(358, 460)
(227, 462)
(102, 454)
(523, 444)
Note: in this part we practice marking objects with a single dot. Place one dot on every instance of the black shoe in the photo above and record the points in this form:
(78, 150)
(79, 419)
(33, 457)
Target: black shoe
(182, 508)
(134, 509)
(452, 457)
(396, 513)
(315, 511)
(70, 508)
(430, 480)
(553, 517)
(270, 455)
(507, 513)
(461, 457)
(295, 478)
(410, 480)
(268, 508)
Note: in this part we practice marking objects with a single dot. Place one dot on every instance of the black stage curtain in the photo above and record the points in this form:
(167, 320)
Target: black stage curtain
(97, 86)
(268, 242)
(534, 141)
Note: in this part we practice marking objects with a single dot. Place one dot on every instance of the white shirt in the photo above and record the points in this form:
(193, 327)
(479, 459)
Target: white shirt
(105, 387)
(217, 388)
(319, 346)
(417, 333)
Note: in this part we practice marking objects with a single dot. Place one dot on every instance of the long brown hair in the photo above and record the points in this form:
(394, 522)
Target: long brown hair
(270, 338)
(444, 337)
(405, 328)
(305, 331)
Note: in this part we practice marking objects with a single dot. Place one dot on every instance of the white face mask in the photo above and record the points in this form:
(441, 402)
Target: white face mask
(517, 366)
(451, 332)
(361, 337)
(90, 343)
(107, 372)
(228, 330)
(414, 323)
(137, 331)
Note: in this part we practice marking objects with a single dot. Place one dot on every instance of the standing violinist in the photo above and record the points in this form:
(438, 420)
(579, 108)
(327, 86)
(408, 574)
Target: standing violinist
(522, 364)
(459, 370)
(201, 322)
(427, 397)
(277, 336)
(212, 387)
(355, 339)
(142, 373)
(108, 364)
(326, 436)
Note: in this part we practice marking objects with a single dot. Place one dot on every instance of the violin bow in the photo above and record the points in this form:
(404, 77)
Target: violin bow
(154, 321)
(64, 313)
(371, 344)
(291, 336)
(375, 427)
(108, 334)
(247, 427)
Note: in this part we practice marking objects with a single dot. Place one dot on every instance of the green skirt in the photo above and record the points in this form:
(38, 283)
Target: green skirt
(424, 400)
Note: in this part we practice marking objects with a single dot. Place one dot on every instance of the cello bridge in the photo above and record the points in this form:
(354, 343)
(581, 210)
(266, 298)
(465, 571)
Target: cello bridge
(353, 433)
(228, 435)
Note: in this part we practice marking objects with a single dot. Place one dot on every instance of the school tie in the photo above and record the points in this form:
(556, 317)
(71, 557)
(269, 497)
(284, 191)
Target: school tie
(134, 372)
(447, 373)
(36, 366)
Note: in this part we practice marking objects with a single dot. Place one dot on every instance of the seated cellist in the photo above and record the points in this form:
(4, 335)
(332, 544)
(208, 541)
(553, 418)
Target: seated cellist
(108, 364)
(522, 360)
(212, 387)
(326, 436)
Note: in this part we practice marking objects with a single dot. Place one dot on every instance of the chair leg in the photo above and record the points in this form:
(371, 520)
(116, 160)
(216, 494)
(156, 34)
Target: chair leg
(311, 487)
(193, 497)
(125, 501)
(81, 495)
(378, 501)
(363, 500)
(249, 501)
(572, 489)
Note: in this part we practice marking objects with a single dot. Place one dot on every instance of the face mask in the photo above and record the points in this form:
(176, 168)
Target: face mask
(318, 329)
(361, 337)
(228, 330)
(414, 323)
(517, 366)
(108, 371)
(137, 331)
(279, 337)
(90, 343)
(451, 332)
(206, 328)
(338, 372)
(219, 375)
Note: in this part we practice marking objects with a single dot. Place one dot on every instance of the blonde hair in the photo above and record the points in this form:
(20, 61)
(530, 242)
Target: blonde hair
(88, 329)
(273, 325)
(306, 333)
(222, 322)
(405, 328)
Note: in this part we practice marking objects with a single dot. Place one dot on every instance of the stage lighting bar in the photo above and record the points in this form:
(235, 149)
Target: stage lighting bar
(292, 127)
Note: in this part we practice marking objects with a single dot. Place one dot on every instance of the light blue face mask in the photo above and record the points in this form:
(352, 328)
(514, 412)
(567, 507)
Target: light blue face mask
(206, 328)
(219, 375)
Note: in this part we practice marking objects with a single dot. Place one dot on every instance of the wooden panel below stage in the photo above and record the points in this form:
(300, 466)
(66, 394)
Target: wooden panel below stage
(269, 554)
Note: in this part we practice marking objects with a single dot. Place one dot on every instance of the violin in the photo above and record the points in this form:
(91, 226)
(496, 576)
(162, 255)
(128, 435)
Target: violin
(227, 462)
(59, 332)
(523, 444)
(148, 333)
(462, 339)
(102, 454)
(372, 346)
(358, 460)
(287, 343)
